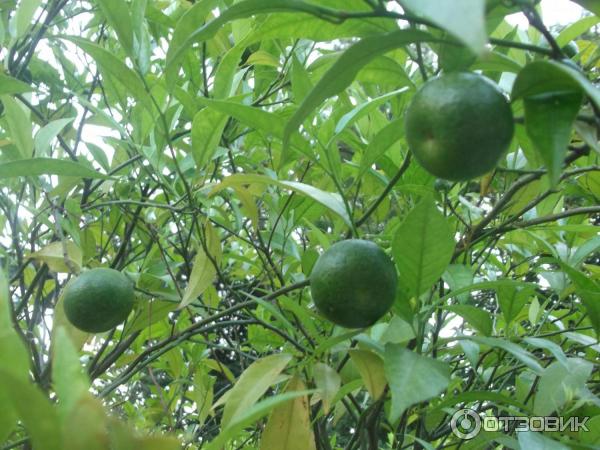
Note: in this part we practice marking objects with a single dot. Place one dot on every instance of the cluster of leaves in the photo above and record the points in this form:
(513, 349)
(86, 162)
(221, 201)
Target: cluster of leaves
(240, 139)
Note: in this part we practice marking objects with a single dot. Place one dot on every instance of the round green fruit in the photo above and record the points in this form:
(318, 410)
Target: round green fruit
(98, 300)
(353, 284)
(458, 126)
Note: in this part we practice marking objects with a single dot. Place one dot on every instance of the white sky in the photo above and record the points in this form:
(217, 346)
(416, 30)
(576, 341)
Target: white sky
(554, 12)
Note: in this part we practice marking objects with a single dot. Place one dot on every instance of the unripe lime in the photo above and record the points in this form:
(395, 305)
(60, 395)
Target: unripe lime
(98, 300)
(458, 126)
(353, 283)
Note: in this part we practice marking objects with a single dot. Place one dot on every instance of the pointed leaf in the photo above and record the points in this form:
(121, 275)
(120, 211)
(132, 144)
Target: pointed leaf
(371, 369)
(117, 69)
(19, 126)
(34, 409)
(543, 77)
(119, 17)
(328, 382)
(549, 120)
(23, 17)
(251, 415)
(289, 427)
(327, 199)
(252, 385)
(514, 349)
(46, 166)
(479, 319)
(344, 70)
(44, 136)
(54, 256)
(9, 85)
(70, 382)
(207, 128)
(422, 247)
(412, 378)
(203, 274)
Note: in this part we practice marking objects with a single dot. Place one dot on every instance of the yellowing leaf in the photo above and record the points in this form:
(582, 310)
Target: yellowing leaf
(252, 384)
(85, 426)
(327, 199)
(203, 274)
(328, 382)
(70, 382)
(370, 367)
(53, 255)
(262, 58)
(288, 427)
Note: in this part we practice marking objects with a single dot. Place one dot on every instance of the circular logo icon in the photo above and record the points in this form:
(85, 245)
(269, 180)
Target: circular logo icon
(465, 424)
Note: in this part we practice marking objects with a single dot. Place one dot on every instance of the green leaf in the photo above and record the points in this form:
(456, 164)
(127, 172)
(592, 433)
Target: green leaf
(203, 393)
(458, 276)
(576, 29)
(591, 5)
(532, 440)
(117, 69)
(289, 426)
(344, 70)
(328, 382)
(34, 409)
(148, 313)
(89, 419)
(251, 415)
(46, 166)
(262, 58)
(412, 378)
(301, 84)
(240, 10)
(512, 299)
(514, 349)
(552, 347)
(44, 136)
(327, 199)
(22, 17)
(464, 19)
(371, 369)
(479, 319)
(549, 120)
(184, 28)
(207, 128)
(543, 77)
(54, 256)
(253, 117)
(19, 126)
(70, 382)
(9, 85)
(588, 291)
(365, 108)
(381, 143)
(119, 17)
(251, 386)
(203, 274)
(422, 247)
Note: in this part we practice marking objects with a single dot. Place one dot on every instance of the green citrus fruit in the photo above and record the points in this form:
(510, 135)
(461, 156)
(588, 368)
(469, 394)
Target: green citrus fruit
(353, 283)
(571, 49)
(98, 300)
(458, 126)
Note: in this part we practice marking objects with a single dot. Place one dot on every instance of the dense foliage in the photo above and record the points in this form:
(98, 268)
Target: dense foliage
(211, 150)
